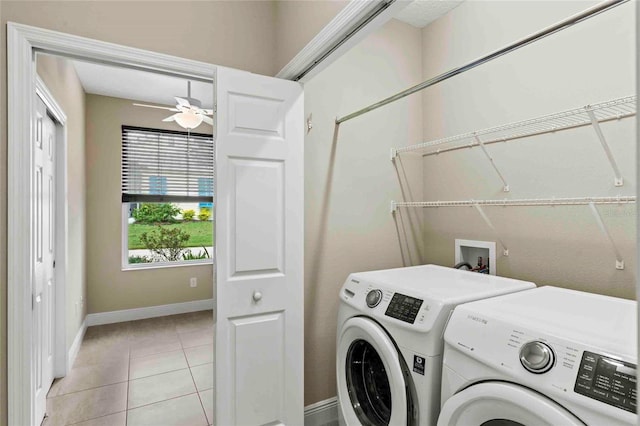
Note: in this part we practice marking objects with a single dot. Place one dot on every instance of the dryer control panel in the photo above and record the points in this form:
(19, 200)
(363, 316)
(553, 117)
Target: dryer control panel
(607, 380)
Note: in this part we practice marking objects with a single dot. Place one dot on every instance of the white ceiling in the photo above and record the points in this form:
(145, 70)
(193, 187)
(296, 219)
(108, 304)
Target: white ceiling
(141, 86)
(421, 13)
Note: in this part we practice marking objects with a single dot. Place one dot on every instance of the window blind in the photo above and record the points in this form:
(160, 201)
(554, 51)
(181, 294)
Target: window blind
(166, 166)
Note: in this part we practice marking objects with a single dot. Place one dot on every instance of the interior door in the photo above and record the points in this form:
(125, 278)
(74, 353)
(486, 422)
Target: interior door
(259, 250)
(44, 243)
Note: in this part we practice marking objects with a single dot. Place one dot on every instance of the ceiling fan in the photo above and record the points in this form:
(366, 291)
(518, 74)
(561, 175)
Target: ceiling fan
(189, 113)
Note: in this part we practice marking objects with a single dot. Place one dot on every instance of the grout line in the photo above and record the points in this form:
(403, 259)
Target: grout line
(165, 400)
(198, 392)
(86, 390)
(99, 417)
(126, 411)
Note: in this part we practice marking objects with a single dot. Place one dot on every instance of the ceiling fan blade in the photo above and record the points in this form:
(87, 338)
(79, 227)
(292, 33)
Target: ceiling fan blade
(183, 102)
(155, 106)
(207, 111)
(207, 120)
(171, 118)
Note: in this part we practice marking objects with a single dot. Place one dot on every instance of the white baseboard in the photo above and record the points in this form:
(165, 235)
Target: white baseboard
(75, 346)
(322, 413)
(148, 312)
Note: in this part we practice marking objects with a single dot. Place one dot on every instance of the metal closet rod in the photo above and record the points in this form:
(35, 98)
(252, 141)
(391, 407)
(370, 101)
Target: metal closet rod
(566, 23)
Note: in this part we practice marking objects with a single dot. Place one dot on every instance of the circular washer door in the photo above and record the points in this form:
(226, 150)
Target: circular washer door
(371, 387)
(503, 404)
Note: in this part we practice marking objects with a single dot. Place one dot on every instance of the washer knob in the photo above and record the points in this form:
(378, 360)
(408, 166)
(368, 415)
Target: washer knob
(537, 357)
(374, 297)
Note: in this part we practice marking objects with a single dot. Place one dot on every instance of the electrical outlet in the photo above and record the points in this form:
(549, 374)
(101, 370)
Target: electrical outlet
(193, 282)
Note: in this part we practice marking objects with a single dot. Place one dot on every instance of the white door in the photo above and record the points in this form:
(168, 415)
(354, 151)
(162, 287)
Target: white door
(259, 250)
(44, 243)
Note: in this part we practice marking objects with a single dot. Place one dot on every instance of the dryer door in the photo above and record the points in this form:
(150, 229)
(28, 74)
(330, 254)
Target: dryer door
(371, 384)
(503, 404)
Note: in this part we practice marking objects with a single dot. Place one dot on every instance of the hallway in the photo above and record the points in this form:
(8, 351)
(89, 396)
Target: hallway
(146, 372)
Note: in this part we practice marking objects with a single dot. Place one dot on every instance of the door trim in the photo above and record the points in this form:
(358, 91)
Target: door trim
(60, 353)
(22, 42)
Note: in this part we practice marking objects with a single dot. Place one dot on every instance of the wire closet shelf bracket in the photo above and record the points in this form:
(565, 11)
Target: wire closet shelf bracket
(591, 202)
(589, 115)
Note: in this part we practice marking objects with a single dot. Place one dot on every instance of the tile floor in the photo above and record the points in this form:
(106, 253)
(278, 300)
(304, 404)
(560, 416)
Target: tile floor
(156, 372)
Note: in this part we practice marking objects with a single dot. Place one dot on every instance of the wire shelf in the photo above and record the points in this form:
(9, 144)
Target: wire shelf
(580, 201)
(605, 111)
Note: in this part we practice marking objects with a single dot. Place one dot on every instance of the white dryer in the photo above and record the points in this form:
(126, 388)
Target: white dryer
(543, 357)
(389, 341)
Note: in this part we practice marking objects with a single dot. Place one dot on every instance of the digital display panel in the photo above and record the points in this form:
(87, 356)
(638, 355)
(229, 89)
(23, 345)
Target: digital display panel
(608, 380)
(403, 307)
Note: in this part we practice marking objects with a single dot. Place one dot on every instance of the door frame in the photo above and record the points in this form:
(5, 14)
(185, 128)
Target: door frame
(60, 353)
(23, 42)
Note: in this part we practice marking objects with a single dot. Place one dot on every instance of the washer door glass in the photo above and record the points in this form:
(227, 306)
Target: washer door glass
(368, 384)
(374, 385)
(503, 404)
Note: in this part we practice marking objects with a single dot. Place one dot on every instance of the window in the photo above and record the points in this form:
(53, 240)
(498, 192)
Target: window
(167, 197)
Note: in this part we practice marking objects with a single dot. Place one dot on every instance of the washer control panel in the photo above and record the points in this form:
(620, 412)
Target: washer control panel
(607, 380)
(404, 308)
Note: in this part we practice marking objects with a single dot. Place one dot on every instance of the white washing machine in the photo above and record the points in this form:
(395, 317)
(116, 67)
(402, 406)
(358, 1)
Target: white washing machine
(389, 342)
(546, 356)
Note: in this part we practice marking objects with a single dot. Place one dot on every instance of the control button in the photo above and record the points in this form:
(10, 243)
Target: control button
(585, 386)
(537, 357)
(374, 297)
(616, 398)
(600, 393)
(586, 376)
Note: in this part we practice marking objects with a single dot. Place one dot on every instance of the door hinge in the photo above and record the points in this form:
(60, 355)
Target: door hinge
(54, 264)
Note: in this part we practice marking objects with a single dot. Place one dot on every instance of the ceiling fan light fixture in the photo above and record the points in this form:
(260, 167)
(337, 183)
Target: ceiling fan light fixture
(188, 119)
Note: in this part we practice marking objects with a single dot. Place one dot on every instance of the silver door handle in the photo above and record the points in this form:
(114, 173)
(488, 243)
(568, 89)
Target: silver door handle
(257, 296)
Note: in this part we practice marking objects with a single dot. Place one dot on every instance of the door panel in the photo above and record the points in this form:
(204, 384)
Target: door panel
(259, 250)
(44, 243)
(259, 378)
(258, 217)
(253, 115)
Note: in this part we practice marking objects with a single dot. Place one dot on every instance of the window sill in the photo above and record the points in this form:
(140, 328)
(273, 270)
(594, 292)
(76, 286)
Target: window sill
(161, 265)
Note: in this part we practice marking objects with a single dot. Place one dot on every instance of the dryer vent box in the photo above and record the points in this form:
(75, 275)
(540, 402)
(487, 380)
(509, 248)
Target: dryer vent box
(469, 251)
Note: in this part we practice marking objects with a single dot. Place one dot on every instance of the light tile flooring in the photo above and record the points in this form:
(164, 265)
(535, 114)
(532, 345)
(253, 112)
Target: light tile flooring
(156, 372)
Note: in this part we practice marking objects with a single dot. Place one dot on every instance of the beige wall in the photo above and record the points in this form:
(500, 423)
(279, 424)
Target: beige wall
(297, 22)
(108, 287)
(591, 62)
(350, 182)
(61, 78)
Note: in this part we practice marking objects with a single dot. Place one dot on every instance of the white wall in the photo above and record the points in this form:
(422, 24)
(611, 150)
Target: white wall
(350, 181)
(588, 63)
